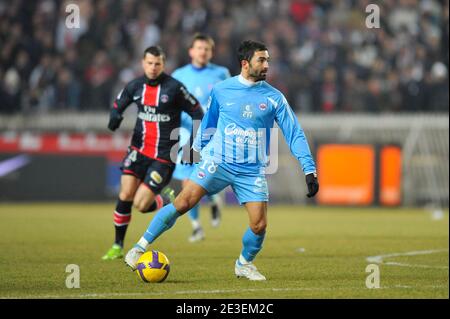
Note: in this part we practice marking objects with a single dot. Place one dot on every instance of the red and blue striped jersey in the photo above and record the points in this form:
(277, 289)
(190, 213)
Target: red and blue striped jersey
(160, 103)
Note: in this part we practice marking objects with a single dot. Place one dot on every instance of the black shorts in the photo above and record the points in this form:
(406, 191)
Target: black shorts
(154, 174)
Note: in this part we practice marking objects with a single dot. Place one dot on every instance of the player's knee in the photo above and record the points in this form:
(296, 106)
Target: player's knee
(126, 196)
(259, 227)
(182, 202)
(182, 205)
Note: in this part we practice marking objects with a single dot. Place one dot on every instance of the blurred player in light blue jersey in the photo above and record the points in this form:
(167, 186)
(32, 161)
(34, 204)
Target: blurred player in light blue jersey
(199, 77)
(234, 139)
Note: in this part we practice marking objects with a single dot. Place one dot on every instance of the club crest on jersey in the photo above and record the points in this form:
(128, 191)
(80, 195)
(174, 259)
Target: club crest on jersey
(201, 175)
(164, 98)
(154, 175)
(127, 162)
(263, 106)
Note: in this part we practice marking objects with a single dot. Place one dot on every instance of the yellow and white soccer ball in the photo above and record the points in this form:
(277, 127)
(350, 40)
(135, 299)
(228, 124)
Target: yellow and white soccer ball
(153, 266)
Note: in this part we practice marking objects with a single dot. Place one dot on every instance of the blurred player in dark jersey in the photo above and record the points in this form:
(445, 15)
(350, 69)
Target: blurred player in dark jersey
(148, 166)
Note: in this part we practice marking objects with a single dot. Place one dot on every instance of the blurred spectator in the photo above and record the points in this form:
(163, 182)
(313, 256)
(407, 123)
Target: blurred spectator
(99, 81)
(10, 92)
(67, 90)
(324, 59)
(354, 92)
(438, 87)
(41, 81)
(328, 91)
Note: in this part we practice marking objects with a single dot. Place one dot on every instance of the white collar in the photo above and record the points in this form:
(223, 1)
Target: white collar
(246, 82)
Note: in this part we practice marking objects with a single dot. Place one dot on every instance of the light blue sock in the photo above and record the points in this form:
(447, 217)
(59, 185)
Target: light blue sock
(163, 220)
(193, 213)
(252, 244)
(212, 198)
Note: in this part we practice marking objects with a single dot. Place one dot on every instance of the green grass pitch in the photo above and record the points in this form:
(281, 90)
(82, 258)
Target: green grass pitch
(309, 252)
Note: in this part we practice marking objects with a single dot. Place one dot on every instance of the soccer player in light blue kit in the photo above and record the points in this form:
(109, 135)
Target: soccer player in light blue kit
(233, 139)
(199, 77)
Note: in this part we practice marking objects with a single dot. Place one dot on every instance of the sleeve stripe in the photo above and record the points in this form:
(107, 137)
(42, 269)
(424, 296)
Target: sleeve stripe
(275, 104)
(289, 110)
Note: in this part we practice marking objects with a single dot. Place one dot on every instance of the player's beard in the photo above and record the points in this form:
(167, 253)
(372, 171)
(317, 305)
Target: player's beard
(257, 75)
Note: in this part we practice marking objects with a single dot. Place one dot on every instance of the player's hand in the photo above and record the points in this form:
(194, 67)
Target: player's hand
(313, 184)
(115, 118)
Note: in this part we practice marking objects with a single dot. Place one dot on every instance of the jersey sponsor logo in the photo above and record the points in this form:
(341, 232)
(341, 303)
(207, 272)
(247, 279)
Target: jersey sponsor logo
(154, 117)
(230, 103)
(232, 129)
(149, 109)
(249, 136)
(154, 175)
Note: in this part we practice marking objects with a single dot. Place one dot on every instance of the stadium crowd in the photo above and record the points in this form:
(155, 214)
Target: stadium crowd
(324, 58)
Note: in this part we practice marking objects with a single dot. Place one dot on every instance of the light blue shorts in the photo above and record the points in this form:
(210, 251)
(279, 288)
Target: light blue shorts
(183, 171)
(214, 178)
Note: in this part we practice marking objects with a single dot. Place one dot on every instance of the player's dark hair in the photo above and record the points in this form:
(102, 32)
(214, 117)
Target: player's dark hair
(202, 37)
(155, 50)
(248, 48)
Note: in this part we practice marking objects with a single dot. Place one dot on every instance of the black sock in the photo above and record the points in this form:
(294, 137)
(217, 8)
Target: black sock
(122, 217)
(157, 204)
(152, 207)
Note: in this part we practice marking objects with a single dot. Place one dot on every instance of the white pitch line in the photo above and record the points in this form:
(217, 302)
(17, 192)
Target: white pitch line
(215, 291)
(379, 259)
(392, 263)
(179, 292)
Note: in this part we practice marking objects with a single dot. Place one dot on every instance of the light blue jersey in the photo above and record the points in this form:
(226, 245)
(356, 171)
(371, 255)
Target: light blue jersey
(199, 82)
(234, 138)
(235, 130)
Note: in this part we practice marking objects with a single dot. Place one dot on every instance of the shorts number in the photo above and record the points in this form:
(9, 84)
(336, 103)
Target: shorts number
(212, 168)
(133, 156)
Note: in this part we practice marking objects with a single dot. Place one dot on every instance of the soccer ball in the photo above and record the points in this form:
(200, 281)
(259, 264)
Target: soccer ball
(153, 266)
